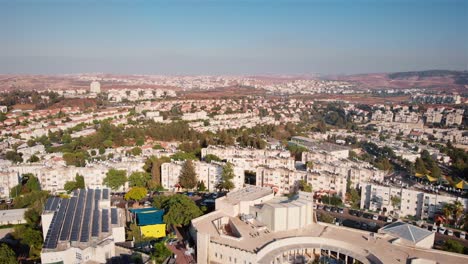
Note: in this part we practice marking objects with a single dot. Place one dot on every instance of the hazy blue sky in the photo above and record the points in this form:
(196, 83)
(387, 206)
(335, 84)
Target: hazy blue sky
(232, 37)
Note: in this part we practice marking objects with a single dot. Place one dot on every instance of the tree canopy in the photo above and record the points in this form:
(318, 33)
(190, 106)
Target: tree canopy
(304, 186)
(225, 182)
(7, 255)
(136, 193)
(115, 179)
(188, 176)
(139, 179)
(78, 183)
(180, 209)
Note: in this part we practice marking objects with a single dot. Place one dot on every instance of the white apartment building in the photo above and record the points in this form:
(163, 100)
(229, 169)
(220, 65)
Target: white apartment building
(414, 202)
(95, 87)
(208, 173)
(202, 115)
(53, 178)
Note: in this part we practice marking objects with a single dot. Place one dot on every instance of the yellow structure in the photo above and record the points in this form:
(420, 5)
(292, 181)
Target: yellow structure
(155, 231)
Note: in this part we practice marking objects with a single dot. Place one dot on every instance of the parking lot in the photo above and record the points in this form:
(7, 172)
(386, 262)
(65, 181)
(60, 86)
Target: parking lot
(372, 222)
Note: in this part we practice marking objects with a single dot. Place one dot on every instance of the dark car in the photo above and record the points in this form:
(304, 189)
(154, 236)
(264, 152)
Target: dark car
(359, 213)
(334, 209)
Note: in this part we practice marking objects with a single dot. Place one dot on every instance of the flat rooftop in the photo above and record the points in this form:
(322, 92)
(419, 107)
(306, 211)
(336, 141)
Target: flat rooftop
(249, 193)
(318, 234)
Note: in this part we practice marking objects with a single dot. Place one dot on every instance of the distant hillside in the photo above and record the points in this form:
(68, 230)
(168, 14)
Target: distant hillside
(459, 77)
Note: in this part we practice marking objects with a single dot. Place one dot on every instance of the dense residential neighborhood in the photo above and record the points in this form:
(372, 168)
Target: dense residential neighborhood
(111, 180)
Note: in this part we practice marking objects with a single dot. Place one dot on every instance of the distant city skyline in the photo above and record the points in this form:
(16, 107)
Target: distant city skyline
(247, 37)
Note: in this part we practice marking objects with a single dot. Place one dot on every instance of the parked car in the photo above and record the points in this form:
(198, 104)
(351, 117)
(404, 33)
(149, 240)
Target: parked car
(320, 207)
(341, 210)
(359, 213)
(450, 232)
(442, 230)
(207, 202)
(215, 195)
(433, 229)
(375, 217)
(462, 235)
(364, 226)
(389, 219)
(333, 209)
(357, 225)
(353, 212)
(327, 208)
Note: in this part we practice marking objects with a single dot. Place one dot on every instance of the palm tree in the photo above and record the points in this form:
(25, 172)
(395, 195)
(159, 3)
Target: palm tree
(458, 210)
(448, 210)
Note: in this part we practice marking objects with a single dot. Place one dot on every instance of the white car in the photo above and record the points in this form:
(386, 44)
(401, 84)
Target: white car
(462, 235)
(375, 217)
(442, 230)
(389, 219)
(450, 232)
(434, 229)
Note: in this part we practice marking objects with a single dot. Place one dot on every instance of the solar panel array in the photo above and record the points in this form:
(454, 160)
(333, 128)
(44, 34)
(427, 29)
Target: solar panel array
(56, 225)
(105, 220)
(105, 194)
(114, 219)
(87, 216)
(78, 218)
(67, 222)
(75, 231)
(95, 227)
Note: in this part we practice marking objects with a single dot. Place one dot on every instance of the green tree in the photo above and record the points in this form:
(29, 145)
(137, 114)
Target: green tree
(161, 252)
(136, 151)
(188, 177)
(78, 183)
(453, 246)
(419, 166)
(354, 198)
(180, 209)
(304, 186)
(30, 237)
(201, 186)
(14, 156)
(139, 179)
(32, 183)
(69, 186)
(396, 201)
(115, 179)
(225, 182)
(33, 159)
(333, 200)
(184, 156)
(7, 255)
(136, 193)
(211, 157)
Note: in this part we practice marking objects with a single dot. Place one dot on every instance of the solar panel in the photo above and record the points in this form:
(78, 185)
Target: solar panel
(48, 204)
(114, 219)
(95, 228)
(56, 225)
(55, 204)
(105, 220)
(67, 222)
(105, 194)
(75, 231)
(87, 217)
(97, 194)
